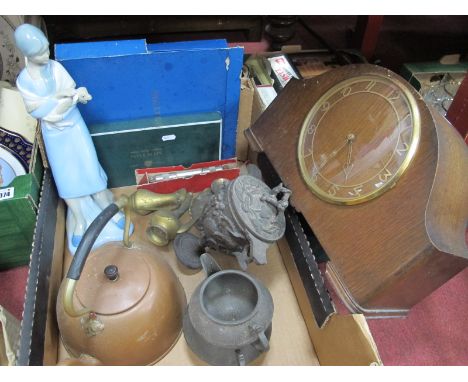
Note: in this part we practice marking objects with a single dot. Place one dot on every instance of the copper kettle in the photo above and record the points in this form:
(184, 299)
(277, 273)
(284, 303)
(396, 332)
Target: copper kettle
(121, 305)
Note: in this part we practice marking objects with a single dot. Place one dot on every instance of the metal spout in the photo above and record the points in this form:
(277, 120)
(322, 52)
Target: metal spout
(165, 224)
(144, 202)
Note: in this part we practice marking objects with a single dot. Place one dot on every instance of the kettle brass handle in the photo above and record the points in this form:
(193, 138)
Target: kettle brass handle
(141, 201)
(82, 252)
(68, 306)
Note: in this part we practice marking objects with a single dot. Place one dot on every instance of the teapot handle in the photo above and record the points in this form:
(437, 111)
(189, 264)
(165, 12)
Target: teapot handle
(263, 342)
(81, 254)
(210, 266)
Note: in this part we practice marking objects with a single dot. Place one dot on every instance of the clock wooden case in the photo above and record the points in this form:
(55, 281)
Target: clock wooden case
(380, 179)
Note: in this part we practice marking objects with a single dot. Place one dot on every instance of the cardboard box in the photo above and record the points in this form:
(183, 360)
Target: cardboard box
(126, 146)
(422, 74)
(18, 199)
(9, 337)
(245, 117)
(296, 339)
(132, 80)
(18, 208)
(13, 115)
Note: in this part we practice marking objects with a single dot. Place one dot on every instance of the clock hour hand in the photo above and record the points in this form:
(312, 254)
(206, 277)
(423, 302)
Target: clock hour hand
(333, 154)
(349, 165)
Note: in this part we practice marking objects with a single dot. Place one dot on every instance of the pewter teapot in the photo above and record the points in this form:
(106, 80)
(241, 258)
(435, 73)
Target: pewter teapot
(228, 320)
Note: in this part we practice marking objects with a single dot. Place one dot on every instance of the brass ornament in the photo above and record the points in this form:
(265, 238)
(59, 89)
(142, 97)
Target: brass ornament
(143, 202)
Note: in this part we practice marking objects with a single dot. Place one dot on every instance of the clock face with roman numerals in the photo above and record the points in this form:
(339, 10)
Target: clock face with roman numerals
(358, 139)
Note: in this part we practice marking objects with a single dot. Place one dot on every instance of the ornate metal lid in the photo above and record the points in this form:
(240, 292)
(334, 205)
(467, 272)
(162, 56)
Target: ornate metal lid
(251, 204)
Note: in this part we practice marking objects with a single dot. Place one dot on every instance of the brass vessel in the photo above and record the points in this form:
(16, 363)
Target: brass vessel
(143, 202)
(165, 224)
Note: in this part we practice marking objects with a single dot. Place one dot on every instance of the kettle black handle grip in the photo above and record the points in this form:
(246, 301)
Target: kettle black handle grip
(87, 242)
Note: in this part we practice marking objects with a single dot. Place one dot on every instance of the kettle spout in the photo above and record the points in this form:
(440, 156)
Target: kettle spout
(144, 202)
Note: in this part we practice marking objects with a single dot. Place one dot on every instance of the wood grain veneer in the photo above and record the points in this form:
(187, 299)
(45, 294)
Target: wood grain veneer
(385, 256)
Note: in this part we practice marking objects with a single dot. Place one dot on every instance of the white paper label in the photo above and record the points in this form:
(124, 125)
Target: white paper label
(283, 69)
(7, 193)
(171, 137)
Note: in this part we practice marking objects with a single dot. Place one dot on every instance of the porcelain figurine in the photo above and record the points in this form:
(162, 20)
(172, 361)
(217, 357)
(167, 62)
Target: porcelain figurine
(50, 95)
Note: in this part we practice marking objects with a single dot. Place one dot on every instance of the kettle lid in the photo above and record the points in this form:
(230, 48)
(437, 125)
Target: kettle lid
(113, 280)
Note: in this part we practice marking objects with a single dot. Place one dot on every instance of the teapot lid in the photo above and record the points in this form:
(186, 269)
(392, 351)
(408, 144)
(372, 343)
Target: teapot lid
(257, 215)
(114, 279)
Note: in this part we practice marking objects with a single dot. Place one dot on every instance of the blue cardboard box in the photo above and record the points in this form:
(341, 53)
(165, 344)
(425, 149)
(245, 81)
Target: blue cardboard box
(133, 80)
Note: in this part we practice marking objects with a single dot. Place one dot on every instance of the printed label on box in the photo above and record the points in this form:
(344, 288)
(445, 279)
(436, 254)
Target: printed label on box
(7, 193)
(283, 69)
(169, 137)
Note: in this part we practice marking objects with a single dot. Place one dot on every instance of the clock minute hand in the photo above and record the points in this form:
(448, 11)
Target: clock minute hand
(348, 165)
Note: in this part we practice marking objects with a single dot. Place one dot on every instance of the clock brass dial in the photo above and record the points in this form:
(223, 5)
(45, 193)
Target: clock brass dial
(358, 139)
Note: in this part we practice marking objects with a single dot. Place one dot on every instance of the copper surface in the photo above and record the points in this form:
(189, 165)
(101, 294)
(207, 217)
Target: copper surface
(103, 296)
(145, 325)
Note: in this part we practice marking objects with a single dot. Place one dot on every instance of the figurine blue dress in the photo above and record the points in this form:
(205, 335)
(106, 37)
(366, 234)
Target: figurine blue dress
(44, 94)
(50, 95)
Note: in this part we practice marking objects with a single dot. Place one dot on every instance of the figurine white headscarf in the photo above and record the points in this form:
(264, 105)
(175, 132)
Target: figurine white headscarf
(30, 40)
(50, 95)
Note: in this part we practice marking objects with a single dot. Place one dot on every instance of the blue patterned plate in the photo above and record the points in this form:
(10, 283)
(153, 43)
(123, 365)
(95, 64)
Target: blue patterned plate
(16, 145)
(10, 167)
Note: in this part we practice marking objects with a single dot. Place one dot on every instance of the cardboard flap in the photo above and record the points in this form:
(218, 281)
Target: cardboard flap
(9, 338)
(343, 340)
